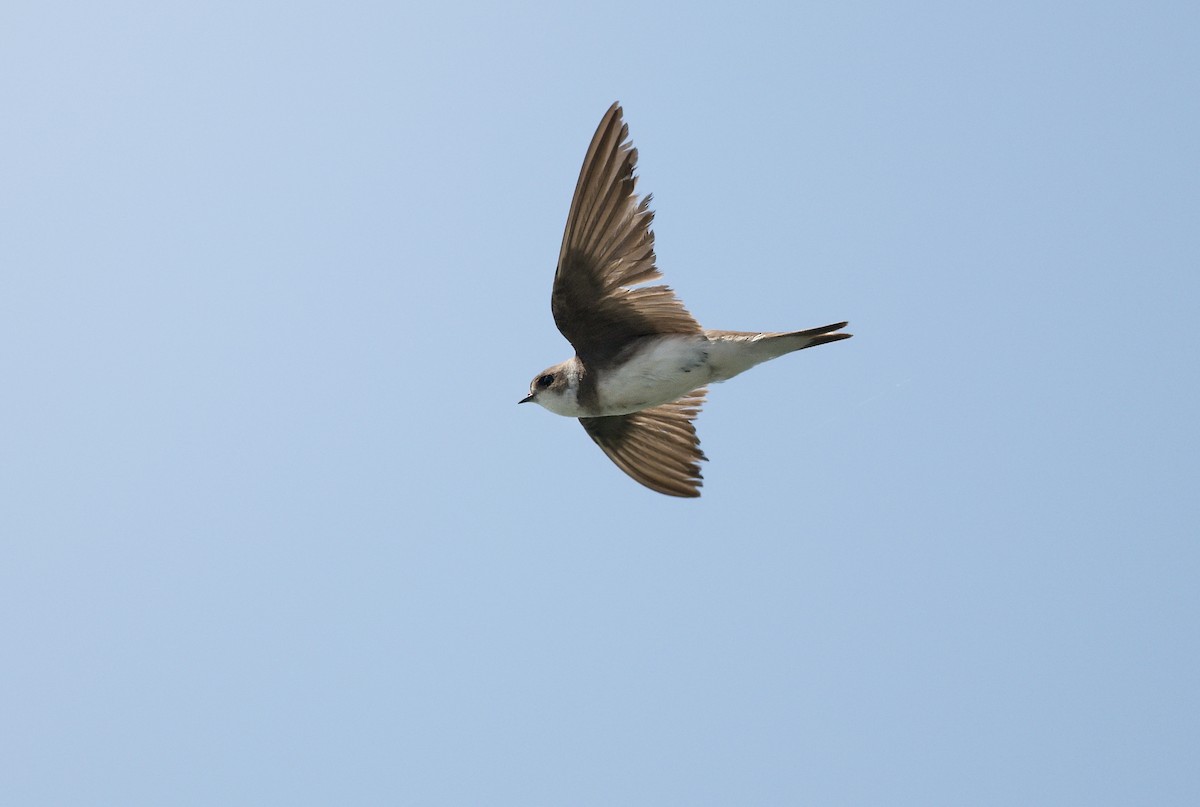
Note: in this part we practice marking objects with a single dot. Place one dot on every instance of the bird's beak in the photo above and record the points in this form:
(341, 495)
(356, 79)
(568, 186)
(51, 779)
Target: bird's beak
(526, 399)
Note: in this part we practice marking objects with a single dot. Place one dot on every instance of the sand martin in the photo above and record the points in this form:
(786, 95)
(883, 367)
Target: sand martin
(641, 361)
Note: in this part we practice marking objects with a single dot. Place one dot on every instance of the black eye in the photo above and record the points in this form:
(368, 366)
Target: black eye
(544, 381)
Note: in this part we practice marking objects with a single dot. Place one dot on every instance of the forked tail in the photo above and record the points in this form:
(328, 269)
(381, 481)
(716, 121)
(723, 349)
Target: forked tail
(734, 352)
(819, 336)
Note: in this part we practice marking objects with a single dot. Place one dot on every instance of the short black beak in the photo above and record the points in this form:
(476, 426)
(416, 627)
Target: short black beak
(526, 399)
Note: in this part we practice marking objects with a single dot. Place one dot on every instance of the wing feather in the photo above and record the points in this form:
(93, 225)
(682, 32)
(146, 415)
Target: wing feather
(657, 447)
(607, 249)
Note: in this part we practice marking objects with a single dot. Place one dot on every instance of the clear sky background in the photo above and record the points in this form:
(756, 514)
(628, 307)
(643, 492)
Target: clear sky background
(274, 530)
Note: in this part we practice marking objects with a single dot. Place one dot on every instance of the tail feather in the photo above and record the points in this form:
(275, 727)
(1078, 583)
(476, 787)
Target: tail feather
(821, 336)
(796, 340)
(734, 352)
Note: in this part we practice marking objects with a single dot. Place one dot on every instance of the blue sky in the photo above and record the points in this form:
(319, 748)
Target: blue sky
(274, 530)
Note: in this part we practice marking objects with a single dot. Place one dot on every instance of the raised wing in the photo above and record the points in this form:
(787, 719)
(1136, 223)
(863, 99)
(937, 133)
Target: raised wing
(608, 248)
(658, 447)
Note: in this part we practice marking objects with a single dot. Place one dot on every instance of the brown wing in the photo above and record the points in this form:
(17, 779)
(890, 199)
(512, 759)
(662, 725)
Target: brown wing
(607, 248)
(658, 447)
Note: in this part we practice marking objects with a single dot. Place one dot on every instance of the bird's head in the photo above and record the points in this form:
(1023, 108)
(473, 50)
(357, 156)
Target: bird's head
(555, 388)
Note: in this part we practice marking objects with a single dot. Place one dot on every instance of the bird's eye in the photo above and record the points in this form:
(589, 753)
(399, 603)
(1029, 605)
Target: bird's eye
(544, 381)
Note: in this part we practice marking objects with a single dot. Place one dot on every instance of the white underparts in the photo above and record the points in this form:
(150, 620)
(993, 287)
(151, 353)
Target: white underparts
(665, 368)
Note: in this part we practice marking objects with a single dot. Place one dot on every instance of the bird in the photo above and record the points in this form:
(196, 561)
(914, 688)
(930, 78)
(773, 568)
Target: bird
(642, 362)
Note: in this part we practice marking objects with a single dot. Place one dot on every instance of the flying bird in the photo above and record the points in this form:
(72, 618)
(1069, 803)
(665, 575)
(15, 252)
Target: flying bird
(642, 362)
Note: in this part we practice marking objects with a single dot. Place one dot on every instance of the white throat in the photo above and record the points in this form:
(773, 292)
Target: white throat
(564, 400)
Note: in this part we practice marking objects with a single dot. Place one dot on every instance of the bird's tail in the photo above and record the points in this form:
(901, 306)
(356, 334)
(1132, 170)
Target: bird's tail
(734, 352)
(814, 336)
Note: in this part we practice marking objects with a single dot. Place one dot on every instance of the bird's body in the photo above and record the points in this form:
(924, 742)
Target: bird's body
(655, 370)
(642, 362)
